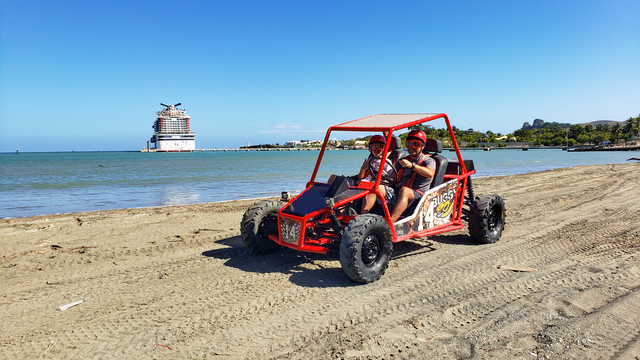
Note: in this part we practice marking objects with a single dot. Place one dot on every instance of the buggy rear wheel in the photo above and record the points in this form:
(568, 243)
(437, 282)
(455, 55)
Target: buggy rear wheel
(486, 218)
(259, 221)
(366, 248)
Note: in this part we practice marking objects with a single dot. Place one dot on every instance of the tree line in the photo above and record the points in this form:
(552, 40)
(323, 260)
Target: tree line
(581, 135)
(553, 134)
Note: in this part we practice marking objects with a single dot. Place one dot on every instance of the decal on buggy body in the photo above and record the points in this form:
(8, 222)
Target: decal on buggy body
(435, 208)
(290, 230)
(442, 201)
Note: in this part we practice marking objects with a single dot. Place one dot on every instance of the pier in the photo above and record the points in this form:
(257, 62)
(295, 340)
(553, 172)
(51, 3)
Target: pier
(521, 148)
(239, 149)
(607, 148)
(261, 149)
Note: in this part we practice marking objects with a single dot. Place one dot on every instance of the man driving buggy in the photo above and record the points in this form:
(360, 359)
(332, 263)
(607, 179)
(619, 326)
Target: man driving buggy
(369, 172)
(415, 173)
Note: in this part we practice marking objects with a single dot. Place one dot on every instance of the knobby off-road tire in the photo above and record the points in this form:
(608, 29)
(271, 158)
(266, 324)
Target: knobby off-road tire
(259, 221)
(366, 248)
(486, 218)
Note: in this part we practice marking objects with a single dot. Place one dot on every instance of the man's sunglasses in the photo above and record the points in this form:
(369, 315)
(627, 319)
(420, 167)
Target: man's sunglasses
(414, 144)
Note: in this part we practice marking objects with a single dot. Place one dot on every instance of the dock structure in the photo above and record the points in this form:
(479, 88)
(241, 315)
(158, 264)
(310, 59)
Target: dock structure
(607, 148)
(259, 149)
(239, 149)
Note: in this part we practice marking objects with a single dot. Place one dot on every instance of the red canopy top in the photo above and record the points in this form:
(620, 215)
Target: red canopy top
(381, 122)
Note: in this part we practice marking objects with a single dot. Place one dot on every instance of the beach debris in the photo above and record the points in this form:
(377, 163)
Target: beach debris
(79, 249)
(199, 230)
(164, 346)
(516, 268)
(178, 238)
(65, 307)
(48, 347)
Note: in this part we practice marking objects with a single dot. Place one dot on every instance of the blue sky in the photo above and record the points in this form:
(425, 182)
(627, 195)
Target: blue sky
(89, 75)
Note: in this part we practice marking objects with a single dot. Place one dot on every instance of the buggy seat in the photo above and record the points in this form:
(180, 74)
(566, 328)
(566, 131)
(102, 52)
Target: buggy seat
(397, 152)
(434, 147)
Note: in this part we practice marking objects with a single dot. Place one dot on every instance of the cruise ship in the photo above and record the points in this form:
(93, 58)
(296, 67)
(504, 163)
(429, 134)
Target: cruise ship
(172, 131)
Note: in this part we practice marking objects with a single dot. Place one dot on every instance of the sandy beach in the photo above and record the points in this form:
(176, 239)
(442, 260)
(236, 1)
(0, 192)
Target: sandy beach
(178, 283)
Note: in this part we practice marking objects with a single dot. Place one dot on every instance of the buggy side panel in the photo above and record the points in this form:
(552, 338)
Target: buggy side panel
(434, 209)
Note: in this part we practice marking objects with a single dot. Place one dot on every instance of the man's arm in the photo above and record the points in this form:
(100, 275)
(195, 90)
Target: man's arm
(425, 171)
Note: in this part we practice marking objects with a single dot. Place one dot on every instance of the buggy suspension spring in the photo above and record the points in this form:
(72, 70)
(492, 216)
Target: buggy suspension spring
(470, 190)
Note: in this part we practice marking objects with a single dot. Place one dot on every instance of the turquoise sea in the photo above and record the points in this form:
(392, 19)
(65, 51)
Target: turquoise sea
(47, 183)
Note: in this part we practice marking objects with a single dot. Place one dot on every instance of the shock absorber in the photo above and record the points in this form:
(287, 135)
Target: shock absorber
(470, 192)
(332, 213)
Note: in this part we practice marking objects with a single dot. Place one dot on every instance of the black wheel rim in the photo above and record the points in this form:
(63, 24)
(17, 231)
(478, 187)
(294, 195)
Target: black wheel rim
(268, 225)
(494, 218)
(371, 249)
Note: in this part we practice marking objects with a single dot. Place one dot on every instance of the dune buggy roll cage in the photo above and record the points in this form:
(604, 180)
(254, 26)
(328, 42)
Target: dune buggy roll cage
(387, 124)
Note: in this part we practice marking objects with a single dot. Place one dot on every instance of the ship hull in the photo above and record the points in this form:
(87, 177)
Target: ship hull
(175, 143)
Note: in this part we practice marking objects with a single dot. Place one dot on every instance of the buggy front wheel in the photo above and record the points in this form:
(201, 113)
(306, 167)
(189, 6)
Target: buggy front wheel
(259, 221)
(366, 248)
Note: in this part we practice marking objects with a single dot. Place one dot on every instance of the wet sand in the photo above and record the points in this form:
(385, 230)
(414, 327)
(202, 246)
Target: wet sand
(177, 283)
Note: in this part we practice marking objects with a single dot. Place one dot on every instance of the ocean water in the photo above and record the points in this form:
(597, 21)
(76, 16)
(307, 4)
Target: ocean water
(47, 183)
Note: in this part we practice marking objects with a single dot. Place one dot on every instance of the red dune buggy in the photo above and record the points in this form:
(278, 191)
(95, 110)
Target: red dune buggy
(328, 214)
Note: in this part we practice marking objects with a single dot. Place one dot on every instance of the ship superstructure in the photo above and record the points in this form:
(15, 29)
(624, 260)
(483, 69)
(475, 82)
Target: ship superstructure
(172, 131)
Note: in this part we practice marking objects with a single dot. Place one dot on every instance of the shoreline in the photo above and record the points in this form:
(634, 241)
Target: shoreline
(57, 215)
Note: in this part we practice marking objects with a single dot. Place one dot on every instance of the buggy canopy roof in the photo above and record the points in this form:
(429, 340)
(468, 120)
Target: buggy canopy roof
(385, 122)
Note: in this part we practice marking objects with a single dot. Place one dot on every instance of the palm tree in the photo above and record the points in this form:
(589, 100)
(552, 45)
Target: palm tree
(616, 131)
(632, 126)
